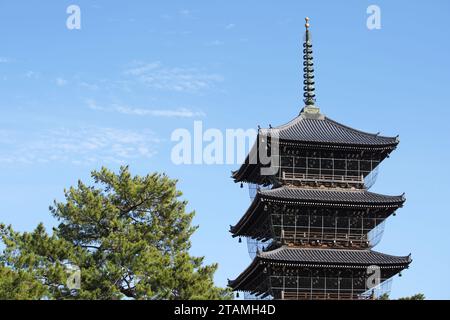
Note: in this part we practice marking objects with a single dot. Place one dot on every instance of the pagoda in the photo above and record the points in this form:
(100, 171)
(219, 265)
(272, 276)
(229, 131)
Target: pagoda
(312, 222)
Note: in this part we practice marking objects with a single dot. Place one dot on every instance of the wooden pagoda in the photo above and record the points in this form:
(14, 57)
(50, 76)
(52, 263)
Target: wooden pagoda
(313, 218)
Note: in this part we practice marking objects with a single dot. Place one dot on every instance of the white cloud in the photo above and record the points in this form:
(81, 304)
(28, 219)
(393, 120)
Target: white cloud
(143, 68)
(92, 104)
(157, 76)
(87, 145)
(169, 113)
(179, 113)
(31, 75)
(216, 43)
(185, 13)
(87, 85)
(4, 60)
(230, 26)
(60, 82)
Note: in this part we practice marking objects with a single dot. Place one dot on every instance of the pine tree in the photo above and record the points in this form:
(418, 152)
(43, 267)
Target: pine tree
(19, 285)
(128, 235)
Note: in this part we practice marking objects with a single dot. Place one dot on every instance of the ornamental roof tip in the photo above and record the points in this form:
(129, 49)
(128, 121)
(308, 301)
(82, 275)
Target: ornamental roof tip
(312, 112)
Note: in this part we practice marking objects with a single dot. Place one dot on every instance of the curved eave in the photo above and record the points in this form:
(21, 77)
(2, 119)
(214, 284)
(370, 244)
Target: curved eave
(399, 266)
(247, 217)
(242, 174)
(336, 204)
(333, 145)
(236, 284)
(254, 269)
(248, 272)
(254, 210)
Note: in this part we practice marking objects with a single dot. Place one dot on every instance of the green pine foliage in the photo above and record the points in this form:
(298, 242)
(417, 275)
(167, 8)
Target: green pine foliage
(19, 285)
(129, 235)
(418, 296)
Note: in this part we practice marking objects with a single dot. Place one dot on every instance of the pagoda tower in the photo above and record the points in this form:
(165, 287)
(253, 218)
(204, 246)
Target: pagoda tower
(312, 222)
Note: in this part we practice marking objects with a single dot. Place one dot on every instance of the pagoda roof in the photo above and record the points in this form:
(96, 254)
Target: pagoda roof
(315, 131)
(319, 129)
(332, 257)
(358, 198)
(319, 258)
(351, 197)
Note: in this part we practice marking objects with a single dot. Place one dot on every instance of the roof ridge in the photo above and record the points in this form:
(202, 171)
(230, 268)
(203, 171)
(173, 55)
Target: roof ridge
(287, 124)
(300, 118)
(262, 253)
(367, 250)
(356, 130)
(311, 129)
(285, 187)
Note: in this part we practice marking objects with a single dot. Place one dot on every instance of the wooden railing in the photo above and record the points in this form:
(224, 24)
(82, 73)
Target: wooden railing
(321, 177)
(289, 295)
(288, 235)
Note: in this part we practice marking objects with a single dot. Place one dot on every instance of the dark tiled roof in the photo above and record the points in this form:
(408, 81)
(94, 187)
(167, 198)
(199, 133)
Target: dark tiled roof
(317, 132)
(306, 196)
(325, 130)
(319, 258)
(332, 256)
(353, 197)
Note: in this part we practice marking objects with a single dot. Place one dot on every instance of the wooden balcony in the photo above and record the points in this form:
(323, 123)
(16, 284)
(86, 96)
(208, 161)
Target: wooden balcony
(318, 178)
(292, 295)
(327, 239)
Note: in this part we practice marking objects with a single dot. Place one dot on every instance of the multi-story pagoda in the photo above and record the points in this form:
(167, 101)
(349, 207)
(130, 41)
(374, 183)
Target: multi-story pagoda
(313, 219)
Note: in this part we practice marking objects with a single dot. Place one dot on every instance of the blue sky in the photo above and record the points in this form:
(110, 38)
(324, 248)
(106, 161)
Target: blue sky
(113, 92)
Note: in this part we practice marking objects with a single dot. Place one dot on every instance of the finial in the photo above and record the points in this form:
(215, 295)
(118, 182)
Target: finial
(308, 69)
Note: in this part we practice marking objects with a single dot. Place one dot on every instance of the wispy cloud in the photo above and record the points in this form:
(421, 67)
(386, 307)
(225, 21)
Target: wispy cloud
(216, 43)
(179, 113)
(4, 60)
(61, 82)
(87, 145)
(32, 75)
(169, 113)
(92, 104)
(157, 76)
(87, 85)
(185, 13)
(230, 26)
(137, 76)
